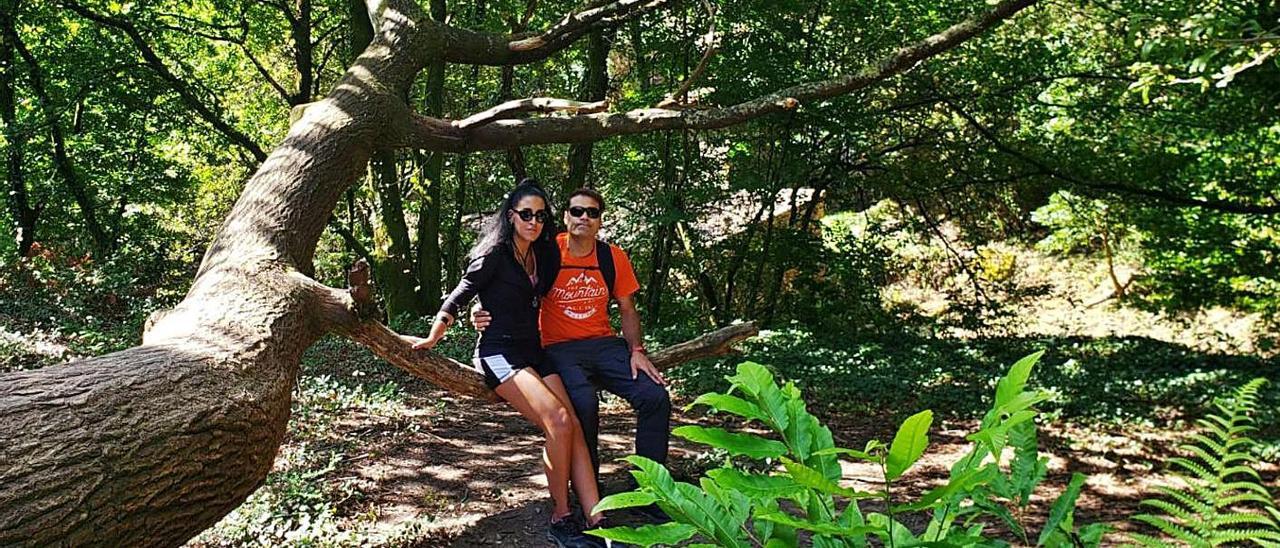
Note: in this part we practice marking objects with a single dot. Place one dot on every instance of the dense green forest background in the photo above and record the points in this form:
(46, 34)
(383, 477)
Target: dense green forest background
(1097, 179)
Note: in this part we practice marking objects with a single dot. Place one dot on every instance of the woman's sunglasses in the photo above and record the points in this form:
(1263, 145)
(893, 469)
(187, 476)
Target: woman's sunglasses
(577, 211)
(527, 215)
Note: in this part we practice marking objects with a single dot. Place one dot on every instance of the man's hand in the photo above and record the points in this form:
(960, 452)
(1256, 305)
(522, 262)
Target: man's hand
(480, 317)
(640, 363)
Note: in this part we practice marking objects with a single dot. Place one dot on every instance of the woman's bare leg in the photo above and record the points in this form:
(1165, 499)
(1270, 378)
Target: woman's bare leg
(526, 392)
(582, 471)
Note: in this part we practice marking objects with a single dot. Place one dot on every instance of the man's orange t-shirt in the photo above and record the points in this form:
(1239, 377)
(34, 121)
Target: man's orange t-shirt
(577, 307)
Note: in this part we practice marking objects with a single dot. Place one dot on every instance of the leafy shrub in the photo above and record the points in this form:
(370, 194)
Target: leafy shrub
(737, 507)
(1223, 500)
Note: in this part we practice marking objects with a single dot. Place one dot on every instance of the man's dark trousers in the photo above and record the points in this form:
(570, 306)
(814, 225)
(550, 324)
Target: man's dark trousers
(606, 362)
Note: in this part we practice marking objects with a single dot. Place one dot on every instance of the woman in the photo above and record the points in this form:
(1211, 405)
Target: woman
(504, 272)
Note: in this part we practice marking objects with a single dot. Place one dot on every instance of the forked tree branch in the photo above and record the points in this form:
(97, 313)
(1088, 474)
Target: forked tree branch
(435, 134)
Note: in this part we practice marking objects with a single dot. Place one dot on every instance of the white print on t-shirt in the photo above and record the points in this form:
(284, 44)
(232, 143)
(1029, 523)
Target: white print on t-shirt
(580, 297)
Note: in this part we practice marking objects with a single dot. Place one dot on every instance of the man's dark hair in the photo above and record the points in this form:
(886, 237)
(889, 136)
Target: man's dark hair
(588, 192)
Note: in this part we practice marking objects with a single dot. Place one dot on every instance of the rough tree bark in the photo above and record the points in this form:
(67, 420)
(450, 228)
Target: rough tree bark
(151, 445)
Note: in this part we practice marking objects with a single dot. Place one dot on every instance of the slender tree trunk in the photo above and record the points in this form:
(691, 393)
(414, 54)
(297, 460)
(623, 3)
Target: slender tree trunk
(23, 215)
(300, 28)
(429, 260)
(595, 87)
(394, 269)
(103, 244)
(453, 243)
(739, 259)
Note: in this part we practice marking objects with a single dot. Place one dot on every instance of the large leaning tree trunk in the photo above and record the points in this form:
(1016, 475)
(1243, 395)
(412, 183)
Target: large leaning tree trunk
(151, 445)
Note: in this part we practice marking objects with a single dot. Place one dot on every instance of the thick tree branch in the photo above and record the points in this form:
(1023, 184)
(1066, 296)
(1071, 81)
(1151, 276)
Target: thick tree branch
(180, 86)
(536, 104)
(1225, 206)
(347, 313)
(504, 134)
(481, 48)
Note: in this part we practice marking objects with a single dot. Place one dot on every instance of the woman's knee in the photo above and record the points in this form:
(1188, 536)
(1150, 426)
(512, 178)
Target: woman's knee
(560, 422)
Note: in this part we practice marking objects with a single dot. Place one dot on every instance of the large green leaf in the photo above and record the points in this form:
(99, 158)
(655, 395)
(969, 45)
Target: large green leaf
(731, 404)
(671, 533)
(1013, 383)
(956, 485)
(756, 486)
(752, 378)
(630, 499)
(814, 479)
(783, 518)
(738, 444)
(908, 444)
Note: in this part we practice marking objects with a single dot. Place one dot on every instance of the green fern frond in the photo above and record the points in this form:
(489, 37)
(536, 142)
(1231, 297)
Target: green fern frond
(1233, 536)
(1148, 541)
(1172, 529)
(1218, 425)
(1238, 518)
(1215, 462)
(1223, 500)
(1186, 515)
(1195, 469)
(1247, 470)
(1217, 448)
(1239, 498)
(1193, 503)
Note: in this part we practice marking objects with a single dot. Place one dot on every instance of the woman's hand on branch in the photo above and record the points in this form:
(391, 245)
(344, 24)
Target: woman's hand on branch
(438, 329)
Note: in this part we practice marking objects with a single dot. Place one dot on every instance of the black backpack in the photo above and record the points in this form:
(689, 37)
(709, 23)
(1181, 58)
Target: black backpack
(604, 258)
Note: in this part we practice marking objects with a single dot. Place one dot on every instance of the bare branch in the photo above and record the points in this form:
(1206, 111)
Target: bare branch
(535, 104)
(481, 48)
(674, 97)
(266, 75)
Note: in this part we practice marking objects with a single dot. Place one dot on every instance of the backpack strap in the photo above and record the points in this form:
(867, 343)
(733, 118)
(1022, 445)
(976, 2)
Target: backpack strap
(604, 256)
(549, 267)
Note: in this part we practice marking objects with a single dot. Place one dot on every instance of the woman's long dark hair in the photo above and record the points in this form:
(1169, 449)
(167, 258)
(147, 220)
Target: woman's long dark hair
(499, 232)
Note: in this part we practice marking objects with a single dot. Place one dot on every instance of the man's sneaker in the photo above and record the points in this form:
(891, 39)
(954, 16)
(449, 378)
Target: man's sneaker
(567, 533)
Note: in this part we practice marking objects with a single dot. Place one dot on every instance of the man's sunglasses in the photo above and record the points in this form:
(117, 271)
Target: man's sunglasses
(577, 211)
(527, 215)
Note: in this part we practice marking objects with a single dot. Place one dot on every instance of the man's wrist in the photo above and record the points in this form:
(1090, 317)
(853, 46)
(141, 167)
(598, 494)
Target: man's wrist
(639, 349)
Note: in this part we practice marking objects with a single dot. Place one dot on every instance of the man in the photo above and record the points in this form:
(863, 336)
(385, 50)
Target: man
(581, 344)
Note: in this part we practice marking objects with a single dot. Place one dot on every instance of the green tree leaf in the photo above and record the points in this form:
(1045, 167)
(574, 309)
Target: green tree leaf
(738, 444)
(908, 444)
